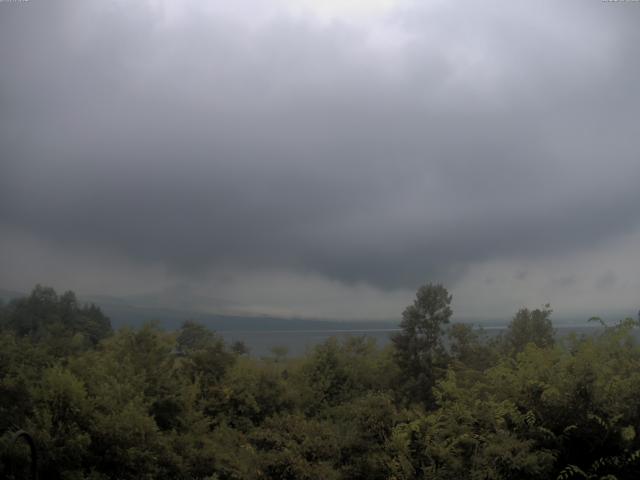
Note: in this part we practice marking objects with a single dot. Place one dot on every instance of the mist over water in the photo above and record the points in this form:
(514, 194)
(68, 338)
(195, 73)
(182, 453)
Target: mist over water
(299, 342)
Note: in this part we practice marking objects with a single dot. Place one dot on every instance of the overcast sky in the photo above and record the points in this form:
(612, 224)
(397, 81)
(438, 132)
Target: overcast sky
(323, 159)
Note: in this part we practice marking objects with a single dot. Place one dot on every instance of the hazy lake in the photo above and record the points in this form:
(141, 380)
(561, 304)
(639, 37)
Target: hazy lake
(299, 341)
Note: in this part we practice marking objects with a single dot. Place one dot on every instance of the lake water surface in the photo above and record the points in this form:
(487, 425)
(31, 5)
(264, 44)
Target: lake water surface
(298, 342)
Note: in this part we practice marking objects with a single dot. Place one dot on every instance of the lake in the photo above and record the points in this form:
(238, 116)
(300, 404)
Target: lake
(298, 342)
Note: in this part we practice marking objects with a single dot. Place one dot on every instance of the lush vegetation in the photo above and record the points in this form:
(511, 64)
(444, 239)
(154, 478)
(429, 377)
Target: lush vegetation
(440, 402)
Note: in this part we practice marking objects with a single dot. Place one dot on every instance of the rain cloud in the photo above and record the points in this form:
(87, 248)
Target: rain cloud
(368, 150)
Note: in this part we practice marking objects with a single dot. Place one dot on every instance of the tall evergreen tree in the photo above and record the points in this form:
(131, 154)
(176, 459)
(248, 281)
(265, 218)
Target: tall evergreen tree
(419, 351)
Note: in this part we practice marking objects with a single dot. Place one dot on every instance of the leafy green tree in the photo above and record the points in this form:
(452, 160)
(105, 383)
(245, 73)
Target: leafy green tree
(365, 424)
(293, 447)
(530, 326)
(467, 347)
(206, 355)
(61, 422)
(326, 376)
(249, 395)
(20, 368)
(61, 321)
(336, 372)
(194, 336)
(419, 349)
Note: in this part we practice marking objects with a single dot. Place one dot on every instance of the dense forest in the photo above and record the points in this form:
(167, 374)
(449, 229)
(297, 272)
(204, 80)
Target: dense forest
(442, 401)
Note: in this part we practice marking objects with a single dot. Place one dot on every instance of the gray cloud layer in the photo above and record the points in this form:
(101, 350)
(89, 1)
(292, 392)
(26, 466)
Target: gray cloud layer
(474, 131)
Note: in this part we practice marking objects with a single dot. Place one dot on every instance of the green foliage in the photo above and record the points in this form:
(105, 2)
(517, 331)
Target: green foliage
(251, 394)
(365, 425)
(206, 358)
(63, 324)
(419, 350)
(336, 372)
(469, 349)
(530, 326)
(149, 404)
(193, 337)
(293, 447)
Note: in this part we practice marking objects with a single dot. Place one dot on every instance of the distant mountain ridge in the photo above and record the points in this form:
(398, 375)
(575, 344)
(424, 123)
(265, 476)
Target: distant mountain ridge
(136, 310)
(124, 313)
(127, 315)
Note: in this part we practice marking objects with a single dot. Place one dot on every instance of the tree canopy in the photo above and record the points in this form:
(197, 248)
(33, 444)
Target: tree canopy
(419, 350)
(530, 326)
(149, 404)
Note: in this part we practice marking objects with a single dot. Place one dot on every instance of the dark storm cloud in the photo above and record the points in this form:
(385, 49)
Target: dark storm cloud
(491, 132)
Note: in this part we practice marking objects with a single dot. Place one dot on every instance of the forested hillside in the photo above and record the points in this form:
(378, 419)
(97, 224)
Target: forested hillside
(440, 402)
